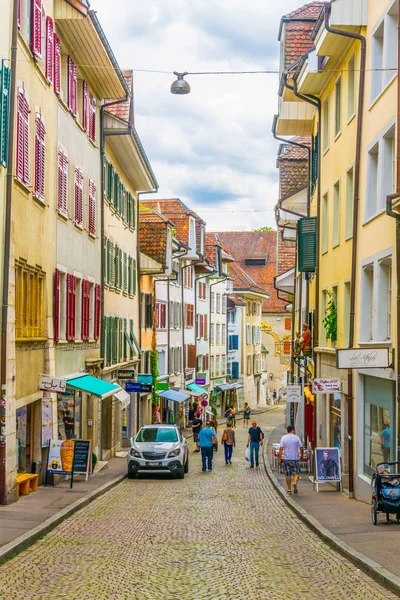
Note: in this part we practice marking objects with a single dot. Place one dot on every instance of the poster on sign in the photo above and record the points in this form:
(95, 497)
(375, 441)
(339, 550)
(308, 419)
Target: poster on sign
(326, 386)
(47, 421)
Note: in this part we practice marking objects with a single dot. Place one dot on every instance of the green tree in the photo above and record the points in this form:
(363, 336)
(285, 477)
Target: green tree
(265, 228)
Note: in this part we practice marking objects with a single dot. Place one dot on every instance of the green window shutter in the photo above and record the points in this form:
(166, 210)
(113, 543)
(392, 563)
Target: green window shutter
(4, 112)
(129, 275)
(116, 269)
(121, 270)
(111, 269)
(105, 259)
(134, 340)
(130, 344)
(125, 272)
(104, 176)
(115, 340)
(314, 161)
(128, 207)
(122, 194)
(110, 181)
(307, 244)
(124, 336)
(133, 212)
(134, 276)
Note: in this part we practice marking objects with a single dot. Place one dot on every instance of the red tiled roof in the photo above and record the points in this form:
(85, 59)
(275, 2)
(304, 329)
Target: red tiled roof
(124, 110)
(297, 40)
(254, 244)
(286, 255)
(291, 152)
(242, 281)
(308, 11)
(175, 210)
(153, 235)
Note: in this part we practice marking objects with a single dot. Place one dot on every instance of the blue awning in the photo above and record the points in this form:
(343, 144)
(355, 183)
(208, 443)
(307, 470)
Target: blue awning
(173, 396)
(227, 387)
(92, 385)
(193, 387)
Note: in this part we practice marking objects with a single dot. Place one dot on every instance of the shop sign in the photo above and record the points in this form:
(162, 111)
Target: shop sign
(146, 387)
(188, 376)
(162, 386)
(363, 358)
(61, 457)
(133, 386)
(294, 393)
(145, 378)
(200, 381)
(326, 386)
(52, 384)
(126, 374)
(82, 457)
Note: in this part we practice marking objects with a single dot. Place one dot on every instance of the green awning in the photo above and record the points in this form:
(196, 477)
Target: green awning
(92, 385)
(193, 387)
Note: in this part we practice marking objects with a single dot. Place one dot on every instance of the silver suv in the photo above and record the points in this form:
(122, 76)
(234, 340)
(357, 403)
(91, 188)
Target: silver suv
(159, 448)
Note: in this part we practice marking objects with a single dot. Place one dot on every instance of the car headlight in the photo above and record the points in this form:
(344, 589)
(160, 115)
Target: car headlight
(175, 452)
(135, 453)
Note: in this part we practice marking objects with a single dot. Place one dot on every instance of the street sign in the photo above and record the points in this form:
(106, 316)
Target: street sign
(363, 358)
(126, 374)
(145, 378)
(133, 386)
(204, 403)
(326, 386)
(146, 387)
(293, 393)
(162, 386)
(52, 384)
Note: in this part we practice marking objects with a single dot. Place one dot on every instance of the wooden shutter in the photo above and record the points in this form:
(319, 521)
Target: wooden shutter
(97, 309)
(57, 64)
(4, 112)
(22, 159)
(56, 320)
(78, 197)
(235, 370)
(125, 272)
(71, 298)
(134, 275)
(307, 244)
(72, 85)
(85, 99)
(62, 197)
(288, 323)
(92, 208)
(201, 326)
(92, 118)
(85, 316)
(40, 152)
(191, 356)
(49, 49)
(111, 270)
(206, 327)
(36, 25)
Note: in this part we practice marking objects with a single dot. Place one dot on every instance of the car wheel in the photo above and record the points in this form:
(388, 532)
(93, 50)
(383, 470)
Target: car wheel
(131, 475)
(181, 473)
(186, 468)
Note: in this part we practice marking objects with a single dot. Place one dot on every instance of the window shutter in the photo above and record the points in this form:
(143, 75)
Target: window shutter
(23, 137)
(56, 320)
(235, 370)
(97, 310)
(36, 25)
(49, 49)
(235, 342)
(111, 269)
(78, 194)
(40, 151)
(85, 105)
(121, 269)
(85, 310)
(191, 356)
(71, 296)
(92, 118)
(134, 276)
(288, 323)
(4, 112)
(314, 161)
(19, 14)
(57, 64)
(125, 272)
(72, 84)
(62, 200)
(110, 180)
(92, 208)
(307, 244)
(206, 327)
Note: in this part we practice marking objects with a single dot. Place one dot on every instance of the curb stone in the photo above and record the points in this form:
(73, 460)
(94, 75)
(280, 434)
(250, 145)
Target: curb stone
(367, 565)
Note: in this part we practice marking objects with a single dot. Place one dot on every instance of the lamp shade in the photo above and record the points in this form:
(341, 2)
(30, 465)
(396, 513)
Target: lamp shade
(180, 86)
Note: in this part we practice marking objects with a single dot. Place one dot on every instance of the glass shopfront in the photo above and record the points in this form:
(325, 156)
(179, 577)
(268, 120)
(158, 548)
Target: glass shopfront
(335, 418)
(379, 422)
(69, 414)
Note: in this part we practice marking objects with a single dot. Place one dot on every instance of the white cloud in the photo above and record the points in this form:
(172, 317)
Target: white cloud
(213, 148)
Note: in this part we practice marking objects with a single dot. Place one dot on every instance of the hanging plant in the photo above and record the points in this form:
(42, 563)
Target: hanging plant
(330, 320)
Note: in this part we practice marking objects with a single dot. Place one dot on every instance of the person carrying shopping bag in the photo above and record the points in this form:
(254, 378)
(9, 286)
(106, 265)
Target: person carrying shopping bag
(229, 442)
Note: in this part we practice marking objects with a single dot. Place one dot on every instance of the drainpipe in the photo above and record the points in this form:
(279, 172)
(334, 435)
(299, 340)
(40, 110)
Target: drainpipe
(350, 396)
(7, 244)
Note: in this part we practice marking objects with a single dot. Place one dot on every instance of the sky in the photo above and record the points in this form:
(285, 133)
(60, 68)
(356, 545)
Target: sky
(213, 148)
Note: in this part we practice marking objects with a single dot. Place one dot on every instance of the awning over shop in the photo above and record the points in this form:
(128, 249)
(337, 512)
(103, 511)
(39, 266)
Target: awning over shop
(186, 392)
(173, 396)
(199, 391)
(92, 385)
(123, 397)
(228, 387)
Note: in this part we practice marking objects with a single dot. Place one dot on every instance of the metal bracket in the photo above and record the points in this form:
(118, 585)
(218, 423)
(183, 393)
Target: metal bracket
(392, 365)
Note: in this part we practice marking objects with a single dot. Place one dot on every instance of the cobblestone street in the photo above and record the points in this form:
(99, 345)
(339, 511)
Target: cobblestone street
(219, 535)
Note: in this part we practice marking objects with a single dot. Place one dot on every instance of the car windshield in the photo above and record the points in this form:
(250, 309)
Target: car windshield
(157, 434)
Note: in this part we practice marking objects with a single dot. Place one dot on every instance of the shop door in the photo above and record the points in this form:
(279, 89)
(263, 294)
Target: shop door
(24, 439)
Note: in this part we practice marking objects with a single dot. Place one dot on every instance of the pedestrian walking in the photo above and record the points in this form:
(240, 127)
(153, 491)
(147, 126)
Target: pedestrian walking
(207, 440)
(254, 440)
(289, 449)
(68, 424)
(228, 414)
(214, 422)
(191, 413)
(246, 414)
(233, 416)
(229, 441)
(196, 428)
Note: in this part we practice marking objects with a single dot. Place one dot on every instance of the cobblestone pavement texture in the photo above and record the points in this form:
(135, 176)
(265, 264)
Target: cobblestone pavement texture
(220, 535)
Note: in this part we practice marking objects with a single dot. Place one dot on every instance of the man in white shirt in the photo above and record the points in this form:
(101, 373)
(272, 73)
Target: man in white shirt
(289, 454)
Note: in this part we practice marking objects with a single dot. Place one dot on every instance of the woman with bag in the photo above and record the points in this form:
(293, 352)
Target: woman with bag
(229, 442)
(246, 414)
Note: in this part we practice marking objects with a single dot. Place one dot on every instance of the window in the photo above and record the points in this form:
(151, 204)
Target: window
(324, 224)
(78, 197)
(372, 183)
(212, 336)
(388, 167)
(384, 290)
(178, 315)
(223, 304)
(29, 301)
(212, 369)
(70, 307)
(92, 208)
(248, 334)
(62, 194)
(218, 303)
(338, 106)
(223, 364)
(40, 153)
(199, 367)
(217, 366)
(49, 49)
(351, 87)
(256, 262)
(192, 235)
(212, 302)
(202, 291)
(323, 311)
(336, 215)
(349, 203)
(22, 159)
(189, 315)
(367, 307)
(218, 334)
(92, 118)
(249, 364)
(346, 314)
(72, 78)
(335, 300)
(384, 52)
(379, 415)
(161, 312)
(325, 125)
(223, 334)
(146, 310)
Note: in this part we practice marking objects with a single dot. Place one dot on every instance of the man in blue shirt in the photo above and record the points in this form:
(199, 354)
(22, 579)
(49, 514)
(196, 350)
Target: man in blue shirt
(207, 440)
(385, 442)
(254, 440)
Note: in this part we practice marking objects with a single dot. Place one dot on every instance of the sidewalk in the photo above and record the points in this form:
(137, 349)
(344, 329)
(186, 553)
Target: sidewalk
(348, 520)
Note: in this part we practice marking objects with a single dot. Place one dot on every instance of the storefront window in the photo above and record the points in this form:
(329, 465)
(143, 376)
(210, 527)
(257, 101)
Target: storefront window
(378, 422)
(24, 458)
(336, 421)
(69, 407)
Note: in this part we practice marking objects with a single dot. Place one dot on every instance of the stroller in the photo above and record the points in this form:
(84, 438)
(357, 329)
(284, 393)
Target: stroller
(386, 494)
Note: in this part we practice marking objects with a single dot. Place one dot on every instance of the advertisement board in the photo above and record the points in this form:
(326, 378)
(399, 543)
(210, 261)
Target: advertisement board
(326, 386)
(327, 466)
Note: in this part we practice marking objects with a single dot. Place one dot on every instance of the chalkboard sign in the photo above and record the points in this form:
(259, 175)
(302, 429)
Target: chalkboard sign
(82, 456)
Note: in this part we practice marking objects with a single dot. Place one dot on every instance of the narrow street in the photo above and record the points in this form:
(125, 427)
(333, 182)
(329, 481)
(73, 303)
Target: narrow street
(220, 535)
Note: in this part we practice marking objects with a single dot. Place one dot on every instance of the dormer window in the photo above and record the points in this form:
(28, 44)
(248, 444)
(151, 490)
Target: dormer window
(192, 234)
(256, 262)
(202, 239)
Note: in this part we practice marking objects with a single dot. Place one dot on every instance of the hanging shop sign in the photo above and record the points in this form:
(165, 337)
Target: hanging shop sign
(145, 378)
(363, 358)
(52, 384)
(200, 381)
(326, 386)
(126, 374)
(162, 386)
(294, 393)
(135, 386)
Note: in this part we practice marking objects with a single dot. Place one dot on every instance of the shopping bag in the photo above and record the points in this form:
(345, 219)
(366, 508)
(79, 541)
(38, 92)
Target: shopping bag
(247, 454)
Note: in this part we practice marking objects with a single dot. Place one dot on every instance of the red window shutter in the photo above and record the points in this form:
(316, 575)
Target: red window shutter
(26, 177)
(85, 309)
(57, 64)
(191, 363)
(62, 199)
(288, 323)
(22, 158)
(74, 89)
(78, 194)
(92, 118)
(71, 298)
(201, 326)
(49, 49)
(97, 305)
(37, 28)
(92, 208)
(163, 316)
(72, 83)
(56, 305)
(40, 151)
(84, 105)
